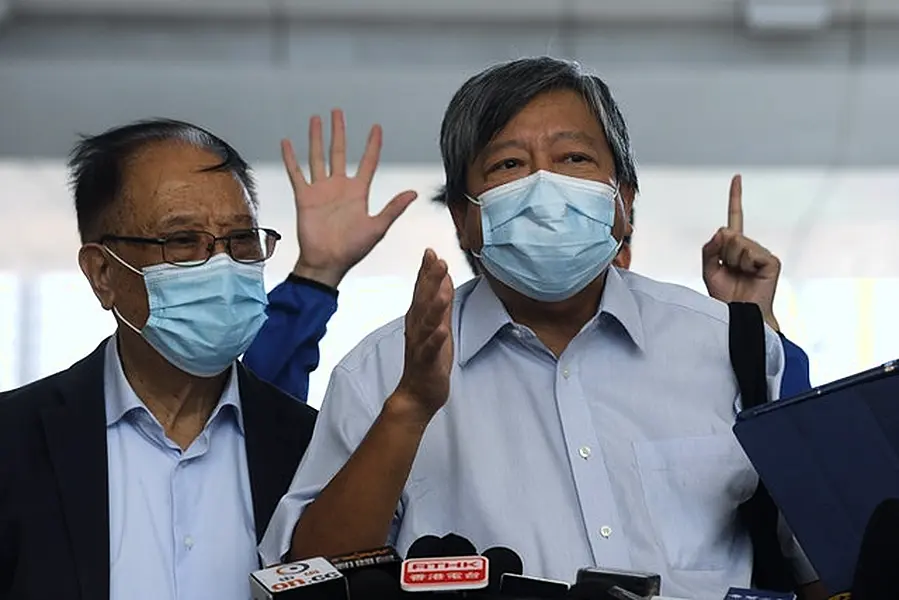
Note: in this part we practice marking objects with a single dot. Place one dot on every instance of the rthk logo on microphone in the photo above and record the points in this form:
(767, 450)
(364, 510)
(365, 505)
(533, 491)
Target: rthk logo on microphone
(444, 574)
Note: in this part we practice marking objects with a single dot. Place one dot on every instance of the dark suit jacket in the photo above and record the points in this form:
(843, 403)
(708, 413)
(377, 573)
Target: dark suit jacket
(54, 500)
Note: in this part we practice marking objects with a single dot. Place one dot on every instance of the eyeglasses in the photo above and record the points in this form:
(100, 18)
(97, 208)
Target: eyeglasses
(194, 248)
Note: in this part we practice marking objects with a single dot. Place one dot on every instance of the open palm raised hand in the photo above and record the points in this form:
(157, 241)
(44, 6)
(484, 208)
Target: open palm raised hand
(334, 228)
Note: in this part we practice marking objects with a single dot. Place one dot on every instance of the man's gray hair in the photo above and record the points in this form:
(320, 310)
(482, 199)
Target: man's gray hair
(485, 104)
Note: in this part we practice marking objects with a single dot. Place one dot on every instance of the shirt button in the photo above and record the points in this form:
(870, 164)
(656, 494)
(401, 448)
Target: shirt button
(584, 451)
(605, 531)
(566, 373)
(188, 542)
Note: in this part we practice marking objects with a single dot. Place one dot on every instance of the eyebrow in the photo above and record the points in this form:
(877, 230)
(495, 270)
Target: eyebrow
(577, 136)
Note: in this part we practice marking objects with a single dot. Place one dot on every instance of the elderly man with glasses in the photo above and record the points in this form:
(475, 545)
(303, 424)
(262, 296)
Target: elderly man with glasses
(150, 469)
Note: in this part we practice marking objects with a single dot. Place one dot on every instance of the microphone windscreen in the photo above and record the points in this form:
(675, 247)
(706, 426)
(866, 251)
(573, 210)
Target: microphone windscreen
(502, 560)
(427, 546)
(456, 545)
(878, 559)
(372, 583)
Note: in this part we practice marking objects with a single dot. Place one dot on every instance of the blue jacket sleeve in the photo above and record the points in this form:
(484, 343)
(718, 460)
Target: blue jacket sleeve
(286, 349)
(796, 370)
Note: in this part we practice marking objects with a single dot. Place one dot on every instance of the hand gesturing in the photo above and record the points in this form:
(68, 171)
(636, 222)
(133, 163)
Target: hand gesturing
(736, 268)
(429, 340)
(334, 228)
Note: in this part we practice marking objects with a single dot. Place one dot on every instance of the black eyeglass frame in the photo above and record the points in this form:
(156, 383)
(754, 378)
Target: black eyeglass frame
(269, 248)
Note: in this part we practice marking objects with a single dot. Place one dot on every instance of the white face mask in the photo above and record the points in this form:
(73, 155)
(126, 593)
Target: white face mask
(548, 236)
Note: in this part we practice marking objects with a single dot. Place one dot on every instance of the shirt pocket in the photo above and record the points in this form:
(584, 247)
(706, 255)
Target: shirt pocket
(692, 487)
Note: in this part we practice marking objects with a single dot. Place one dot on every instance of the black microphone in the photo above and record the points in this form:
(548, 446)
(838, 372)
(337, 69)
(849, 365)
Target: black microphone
(502, 560)
(427, 546)
(456, 545)
(878, 559)
(383, 559)
(598, 589)
(523, 586)
(371, 584)
(507, 580)
(370, 573)
(641, 583)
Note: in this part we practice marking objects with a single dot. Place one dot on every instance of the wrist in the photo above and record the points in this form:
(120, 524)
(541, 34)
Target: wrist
(326, 276)
(403, 409)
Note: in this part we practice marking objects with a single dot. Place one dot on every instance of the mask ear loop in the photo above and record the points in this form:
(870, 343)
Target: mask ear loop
(478, 203)
(115, 310)
(619, 202)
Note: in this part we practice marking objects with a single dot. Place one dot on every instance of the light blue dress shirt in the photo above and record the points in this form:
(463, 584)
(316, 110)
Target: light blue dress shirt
(180, 523)
(620, 453)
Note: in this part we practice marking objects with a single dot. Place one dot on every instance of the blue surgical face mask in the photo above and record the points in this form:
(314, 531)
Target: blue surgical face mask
(202, 318)
(547, 235)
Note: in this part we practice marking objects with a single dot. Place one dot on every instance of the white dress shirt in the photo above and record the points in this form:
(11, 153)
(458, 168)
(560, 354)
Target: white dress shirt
(619, 453)
(180, 522)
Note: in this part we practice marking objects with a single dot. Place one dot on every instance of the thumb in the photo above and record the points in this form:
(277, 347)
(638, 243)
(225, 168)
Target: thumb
(396, 207)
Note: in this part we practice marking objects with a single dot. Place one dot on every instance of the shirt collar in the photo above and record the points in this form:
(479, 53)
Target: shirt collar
(618, 301)
(121, 399)
(482, 315)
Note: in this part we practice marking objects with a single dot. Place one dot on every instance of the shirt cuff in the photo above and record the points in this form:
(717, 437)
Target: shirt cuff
(296, 279)
(275, 545)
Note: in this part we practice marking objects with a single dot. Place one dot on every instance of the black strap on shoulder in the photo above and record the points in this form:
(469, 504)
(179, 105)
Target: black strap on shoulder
(771, 571)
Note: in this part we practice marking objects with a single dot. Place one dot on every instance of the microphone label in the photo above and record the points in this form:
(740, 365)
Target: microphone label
(296, 574)
(366, 558)
(444, 574)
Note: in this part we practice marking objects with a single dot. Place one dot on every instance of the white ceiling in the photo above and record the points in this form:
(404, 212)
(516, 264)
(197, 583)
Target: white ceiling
(691, 11)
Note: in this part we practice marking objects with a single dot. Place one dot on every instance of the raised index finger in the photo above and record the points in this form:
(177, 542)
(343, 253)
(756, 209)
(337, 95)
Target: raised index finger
(735, 205)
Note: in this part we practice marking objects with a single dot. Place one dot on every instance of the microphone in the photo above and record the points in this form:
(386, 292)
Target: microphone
(427, 546)
(878, 558)
(598, 589)
(456, 545)
(641, 583)
(369, 584)
(448, 564)
(502, 561)
(384, 559)
(313, 578)
(523, 586)
(370, 573)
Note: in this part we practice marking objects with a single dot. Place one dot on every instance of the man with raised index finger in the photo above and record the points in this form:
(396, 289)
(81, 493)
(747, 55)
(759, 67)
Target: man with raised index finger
(763, 270)
(575, 412)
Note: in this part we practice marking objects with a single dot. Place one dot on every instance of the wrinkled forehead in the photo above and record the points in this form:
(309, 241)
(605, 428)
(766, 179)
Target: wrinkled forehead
(170, 179)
